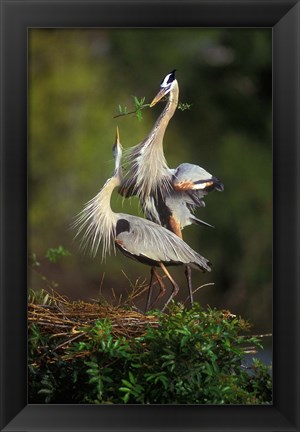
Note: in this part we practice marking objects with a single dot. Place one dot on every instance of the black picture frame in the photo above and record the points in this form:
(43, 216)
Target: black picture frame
(284, 18)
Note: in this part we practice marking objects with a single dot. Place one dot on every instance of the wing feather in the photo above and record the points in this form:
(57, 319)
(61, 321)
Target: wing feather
(193, 177)
(156, 243)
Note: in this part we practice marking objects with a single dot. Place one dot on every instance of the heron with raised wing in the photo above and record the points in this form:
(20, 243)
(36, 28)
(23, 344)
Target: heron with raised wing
(137, 238)
(168, 197)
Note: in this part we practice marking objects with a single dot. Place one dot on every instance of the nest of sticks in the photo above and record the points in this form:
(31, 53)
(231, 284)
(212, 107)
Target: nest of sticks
(57, 315)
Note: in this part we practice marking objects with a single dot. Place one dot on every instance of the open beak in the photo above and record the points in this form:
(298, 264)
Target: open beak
(159, 96)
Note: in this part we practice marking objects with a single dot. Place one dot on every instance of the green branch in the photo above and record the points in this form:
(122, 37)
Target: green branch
(139, 105)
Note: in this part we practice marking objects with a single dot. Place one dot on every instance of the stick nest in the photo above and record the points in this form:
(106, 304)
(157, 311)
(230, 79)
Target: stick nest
(57, 315)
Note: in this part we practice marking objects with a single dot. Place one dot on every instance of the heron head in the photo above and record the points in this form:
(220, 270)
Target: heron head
(117, 152)
(165, 87)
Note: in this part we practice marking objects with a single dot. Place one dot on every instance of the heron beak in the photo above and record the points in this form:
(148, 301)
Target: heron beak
(159, 96)
(117, 135)
(117, 150)
(117, 143)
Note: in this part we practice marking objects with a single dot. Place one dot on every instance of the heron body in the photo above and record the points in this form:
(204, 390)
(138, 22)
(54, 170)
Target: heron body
(150, 243)
(137, 238)
(168, 196)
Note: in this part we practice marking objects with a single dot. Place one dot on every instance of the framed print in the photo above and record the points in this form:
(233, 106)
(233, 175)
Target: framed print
(32, 29)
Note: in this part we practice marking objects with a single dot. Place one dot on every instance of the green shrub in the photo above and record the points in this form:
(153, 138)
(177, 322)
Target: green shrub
(191, 356)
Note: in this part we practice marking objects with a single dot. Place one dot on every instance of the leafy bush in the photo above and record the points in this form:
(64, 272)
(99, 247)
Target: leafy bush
(191, 356)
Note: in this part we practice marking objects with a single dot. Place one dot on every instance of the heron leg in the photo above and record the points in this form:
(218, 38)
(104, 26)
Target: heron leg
(161, 285)
(150, 288)
(174, 285)
(188, 271)
(188, 274)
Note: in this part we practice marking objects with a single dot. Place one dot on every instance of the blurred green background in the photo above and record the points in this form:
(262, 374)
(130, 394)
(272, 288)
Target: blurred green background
(77, 79)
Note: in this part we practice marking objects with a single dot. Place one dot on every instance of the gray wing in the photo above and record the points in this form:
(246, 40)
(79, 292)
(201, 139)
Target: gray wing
(177, 205)
(183, 204)
(146, 239)
(193, 177)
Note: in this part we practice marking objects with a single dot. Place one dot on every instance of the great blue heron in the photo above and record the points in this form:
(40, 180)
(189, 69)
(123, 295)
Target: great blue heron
(137, 238)
(167, 196)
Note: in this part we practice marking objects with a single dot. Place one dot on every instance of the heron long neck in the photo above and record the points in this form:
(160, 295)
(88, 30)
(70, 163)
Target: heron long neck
(162, 122)
(103, 202)
(150, 169)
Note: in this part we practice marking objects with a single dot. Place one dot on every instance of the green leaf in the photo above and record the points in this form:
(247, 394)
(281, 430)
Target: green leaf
(131, 378)
(127, 383)
(126, 398)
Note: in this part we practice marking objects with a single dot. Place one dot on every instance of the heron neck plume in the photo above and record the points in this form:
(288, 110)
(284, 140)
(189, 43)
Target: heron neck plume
(150, 169)
(98, 220)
